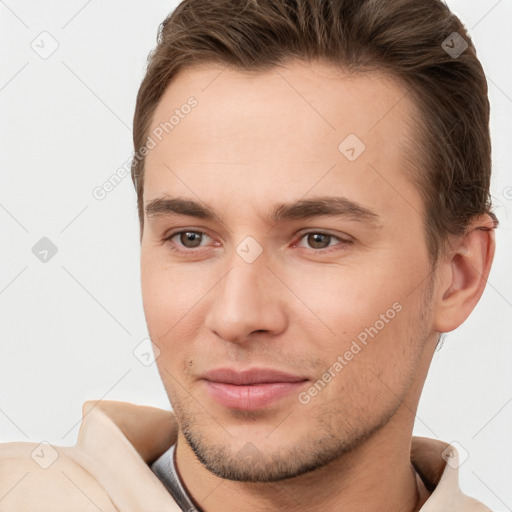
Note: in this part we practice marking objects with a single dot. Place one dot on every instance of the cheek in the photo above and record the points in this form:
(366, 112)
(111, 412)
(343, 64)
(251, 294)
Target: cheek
(345, 300)
(368, 367)
(174, 297)
(373, 336)
(172, 305)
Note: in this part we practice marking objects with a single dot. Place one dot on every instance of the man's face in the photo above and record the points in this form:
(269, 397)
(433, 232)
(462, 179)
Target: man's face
(300, 293)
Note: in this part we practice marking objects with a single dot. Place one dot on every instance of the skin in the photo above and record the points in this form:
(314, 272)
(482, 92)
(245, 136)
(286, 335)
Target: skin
(256, 140)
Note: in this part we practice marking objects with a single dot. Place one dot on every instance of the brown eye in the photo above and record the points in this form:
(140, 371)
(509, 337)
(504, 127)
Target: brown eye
(318, 240)
(323, 242)
(190, 243)
(190, 239)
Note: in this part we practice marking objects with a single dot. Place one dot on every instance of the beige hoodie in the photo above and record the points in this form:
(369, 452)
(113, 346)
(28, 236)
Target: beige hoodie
(108, 468)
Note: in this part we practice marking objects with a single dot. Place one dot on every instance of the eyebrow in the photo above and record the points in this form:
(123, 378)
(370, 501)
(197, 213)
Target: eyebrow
(328, 206)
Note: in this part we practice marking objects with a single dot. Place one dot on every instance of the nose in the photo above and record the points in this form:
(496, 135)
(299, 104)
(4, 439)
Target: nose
(248, 299)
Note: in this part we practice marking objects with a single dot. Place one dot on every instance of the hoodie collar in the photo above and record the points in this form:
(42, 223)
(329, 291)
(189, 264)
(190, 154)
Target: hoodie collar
(118, 441)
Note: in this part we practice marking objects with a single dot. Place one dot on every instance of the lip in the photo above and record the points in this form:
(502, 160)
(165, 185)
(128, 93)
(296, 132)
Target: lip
(250, 376)
(250, 389)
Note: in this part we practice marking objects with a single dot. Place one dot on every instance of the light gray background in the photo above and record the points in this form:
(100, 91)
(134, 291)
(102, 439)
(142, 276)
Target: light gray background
(69, 326)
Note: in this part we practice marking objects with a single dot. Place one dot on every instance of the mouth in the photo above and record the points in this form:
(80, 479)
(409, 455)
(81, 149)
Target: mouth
(251, 389)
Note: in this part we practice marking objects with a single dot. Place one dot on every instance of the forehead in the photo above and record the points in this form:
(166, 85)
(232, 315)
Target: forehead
(290, 128)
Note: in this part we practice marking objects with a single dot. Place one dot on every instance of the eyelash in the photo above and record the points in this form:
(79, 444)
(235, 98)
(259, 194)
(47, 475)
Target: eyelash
(193, 252)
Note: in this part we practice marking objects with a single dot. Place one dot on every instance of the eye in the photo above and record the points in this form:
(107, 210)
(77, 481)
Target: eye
(319, 241)
(188, 239)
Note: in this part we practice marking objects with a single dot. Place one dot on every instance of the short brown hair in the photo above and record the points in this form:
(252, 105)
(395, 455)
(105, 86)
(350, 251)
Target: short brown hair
(404, 38)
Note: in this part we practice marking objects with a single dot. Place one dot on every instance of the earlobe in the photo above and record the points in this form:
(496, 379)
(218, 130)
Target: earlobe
(466, 270)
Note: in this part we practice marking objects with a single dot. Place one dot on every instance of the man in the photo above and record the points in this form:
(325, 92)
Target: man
(313, 191)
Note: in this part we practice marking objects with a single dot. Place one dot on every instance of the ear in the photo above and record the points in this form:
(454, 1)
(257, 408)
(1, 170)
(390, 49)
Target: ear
(463, 271)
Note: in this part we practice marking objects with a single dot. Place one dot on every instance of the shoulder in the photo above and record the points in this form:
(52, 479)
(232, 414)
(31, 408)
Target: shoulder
(106, 470)
(437, 463)
(43, 477)
(473, 505)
